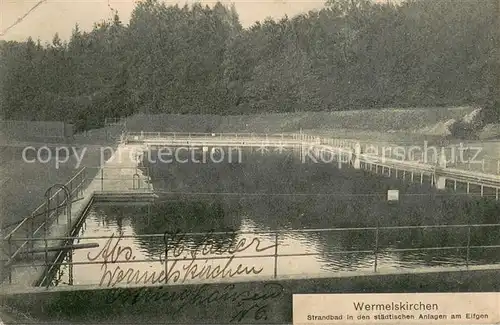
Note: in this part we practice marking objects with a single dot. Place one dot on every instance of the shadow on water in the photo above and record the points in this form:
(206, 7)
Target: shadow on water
(171, 218)
(278, 192)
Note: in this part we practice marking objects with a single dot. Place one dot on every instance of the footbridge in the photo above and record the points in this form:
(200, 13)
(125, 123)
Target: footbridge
(435, 170)
(219, 139)
(36, 249)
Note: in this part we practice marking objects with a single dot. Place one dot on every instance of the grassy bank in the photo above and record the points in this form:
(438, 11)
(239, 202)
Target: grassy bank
(406, 127)
(25, 183)
(386, 120)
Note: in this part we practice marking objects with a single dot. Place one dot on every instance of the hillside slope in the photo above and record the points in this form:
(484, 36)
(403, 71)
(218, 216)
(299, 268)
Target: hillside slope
(385, 120)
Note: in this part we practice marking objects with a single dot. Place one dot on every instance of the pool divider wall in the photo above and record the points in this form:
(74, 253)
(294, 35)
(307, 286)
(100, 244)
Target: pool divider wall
(245, 302)
(128, 197)
(95, 197)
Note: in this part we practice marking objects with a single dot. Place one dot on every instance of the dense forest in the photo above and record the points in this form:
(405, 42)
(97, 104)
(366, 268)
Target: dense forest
(353, 54)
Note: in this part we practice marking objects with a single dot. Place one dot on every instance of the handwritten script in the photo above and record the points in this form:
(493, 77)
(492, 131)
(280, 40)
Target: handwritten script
(243, 304)
(175, 240)
(194, 263)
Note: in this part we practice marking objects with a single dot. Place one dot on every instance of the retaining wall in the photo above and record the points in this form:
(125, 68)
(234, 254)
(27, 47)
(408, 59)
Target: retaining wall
(243, 302)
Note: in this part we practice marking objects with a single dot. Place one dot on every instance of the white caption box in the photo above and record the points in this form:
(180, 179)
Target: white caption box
(397, 308)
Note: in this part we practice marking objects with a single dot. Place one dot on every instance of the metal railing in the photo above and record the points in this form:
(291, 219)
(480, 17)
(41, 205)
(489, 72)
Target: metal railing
(139, 179)
(480, 173)
(184, 135)
(26, 230)
(21, 235)
(114, 121)
(226, 137)
(376, 250)
(30, 227)
(463, 161)
(467, 162)
(119, 178)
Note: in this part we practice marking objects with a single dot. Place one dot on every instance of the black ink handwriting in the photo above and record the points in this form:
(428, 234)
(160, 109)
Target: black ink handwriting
(246, 303)
(191, 271)
(176, 240)
(111, 253)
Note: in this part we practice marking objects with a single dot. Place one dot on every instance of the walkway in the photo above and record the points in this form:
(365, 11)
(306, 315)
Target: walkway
(121, 175)
(329, 150)
(15, 290)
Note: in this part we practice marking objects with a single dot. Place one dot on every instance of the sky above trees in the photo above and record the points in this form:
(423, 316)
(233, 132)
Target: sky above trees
(61, 15)
(353, 54)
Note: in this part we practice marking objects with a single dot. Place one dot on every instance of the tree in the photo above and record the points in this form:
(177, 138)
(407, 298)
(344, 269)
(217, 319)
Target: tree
(198, 59)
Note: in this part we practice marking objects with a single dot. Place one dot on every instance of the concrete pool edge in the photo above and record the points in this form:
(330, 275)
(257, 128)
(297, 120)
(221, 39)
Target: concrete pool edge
(94, 304)
(22, 271)
(20, 289)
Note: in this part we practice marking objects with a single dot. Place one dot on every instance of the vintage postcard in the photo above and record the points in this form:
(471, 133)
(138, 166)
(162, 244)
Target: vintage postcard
(249, 162)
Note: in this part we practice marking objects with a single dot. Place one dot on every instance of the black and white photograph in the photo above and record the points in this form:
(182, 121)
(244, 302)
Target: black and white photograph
(249, 162)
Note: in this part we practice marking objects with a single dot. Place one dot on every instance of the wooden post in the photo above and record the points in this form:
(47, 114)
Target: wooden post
(32, 230)
(9, 268)
(57, 208)
(70, 262)
(375, 264)
(45, 233)
(166, 259)
(468, 247)
(276, 255)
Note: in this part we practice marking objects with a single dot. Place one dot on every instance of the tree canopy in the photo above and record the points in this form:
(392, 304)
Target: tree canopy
(353, 54)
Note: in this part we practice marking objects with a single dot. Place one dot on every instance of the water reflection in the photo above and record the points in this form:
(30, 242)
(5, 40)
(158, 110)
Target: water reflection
(279, 192)
(186, 216)
(312, 252)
